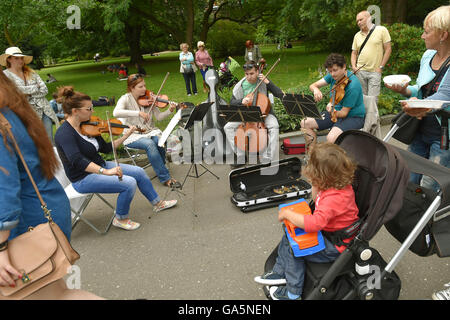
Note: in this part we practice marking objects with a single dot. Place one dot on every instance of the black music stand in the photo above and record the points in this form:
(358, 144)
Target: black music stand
(301, 105)
(197, 114)
(239, 113)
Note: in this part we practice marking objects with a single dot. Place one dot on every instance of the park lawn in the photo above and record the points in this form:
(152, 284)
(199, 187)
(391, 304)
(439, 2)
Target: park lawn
(297, 67)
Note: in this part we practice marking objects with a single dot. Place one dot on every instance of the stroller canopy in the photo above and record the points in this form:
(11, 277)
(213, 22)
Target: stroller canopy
(380, 180)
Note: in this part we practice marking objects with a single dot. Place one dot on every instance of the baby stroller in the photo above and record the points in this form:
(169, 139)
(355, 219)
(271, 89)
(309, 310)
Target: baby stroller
(226, 77)
(380, 183)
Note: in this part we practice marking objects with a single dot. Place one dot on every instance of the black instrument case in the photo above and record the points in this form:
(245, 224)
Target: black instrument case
(268, 185)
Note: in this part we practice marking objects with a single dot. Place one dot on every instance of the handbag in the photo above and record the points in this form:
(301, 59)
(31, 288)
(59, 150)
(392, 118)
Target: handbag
(43, 254)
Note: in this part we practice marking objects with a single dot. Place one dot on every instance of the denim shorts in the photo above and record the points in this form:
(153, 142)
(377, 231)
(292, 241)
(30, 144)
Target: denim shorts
(344, 124)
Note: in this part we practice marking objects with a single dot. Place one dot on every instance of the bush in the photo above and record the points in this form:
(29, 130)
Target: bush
(228, 38)
(407, 49)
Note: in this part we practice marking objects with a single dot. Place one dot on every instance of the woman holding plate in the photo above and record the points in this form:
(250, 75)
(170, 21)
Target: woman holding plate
(433, 83)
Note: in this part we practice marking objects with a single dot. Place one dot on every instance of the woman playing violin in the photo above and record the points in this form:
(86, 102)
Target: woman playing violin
(346, 104)
(131, 113)
(87, 170)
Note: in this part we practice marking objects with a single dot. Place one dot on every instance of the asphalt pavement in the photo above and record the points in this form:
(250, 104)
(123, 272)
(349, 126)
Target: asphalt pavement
(205, 248)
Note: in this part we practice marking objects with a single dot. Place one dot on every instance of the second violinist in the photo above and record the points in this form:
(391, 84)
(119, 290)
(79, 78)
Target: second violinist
(131, 113)
(347, 106)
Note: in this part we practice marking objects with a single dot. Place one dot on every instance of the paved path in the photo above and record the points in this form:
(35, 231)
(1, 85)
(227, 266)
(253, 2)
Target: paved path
(205, 248)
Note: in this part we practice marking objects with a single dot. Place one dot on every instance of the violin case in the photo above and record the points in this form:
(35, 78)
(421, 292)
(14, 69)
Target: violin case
(268, 185)
(294, 145)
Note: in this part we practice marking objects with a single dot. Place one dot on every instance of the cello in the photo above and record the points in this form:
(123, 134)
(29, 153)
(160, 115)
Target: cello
(252, 136)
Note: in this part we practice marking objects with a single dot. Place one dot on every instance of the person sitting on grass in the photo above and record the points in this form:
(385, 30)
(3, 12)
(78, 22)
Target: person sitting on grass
(331, 173)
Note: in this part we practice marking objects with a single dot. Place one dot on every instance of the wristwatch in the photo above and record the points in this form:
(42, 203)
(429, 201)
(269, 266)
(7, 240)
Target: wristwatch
(101, 170)
(381, 67)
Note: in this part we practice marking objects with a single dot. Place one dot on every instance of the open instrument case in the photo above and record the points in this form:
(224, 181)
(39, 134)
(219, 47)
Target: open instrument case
(268, 185)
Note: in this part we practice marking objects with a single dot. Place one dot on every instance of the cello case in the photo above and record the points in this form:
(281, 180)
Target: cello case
(268, 185)
(213, 121)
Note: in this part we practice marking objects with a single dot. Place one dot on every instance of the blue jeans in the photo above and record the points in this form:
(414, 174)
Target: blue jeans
(293, 269)
(155, 154)
(133, 177)
(428, 148)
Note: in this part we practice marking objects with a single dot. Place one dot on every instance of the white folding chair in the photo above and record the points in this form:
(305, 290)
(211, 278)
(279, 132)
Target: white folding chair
(79, 201)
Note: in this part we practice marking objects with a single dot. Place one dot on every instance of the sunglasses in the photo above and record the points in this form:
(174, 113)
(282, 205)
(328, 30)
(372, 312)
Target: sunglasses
(136, 76)
(249, 66)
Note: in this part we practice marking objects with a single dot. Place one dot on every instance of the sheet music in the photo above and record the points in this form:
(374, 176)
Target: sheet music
(173, 122)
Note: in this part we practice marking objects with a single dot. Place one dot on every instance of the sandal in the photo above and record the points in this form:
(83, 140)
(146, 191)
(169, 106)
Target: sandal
(165, 205)
(172, 183)
(128, 225)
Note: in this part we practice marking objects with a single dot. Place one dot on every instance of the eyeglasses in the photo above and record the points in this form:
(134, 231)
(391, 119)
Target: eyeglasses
(249, 66)
(91, 108)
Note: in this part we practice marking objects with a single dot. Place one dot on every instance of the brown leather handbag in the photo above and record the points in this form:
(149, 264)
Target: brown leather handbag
(43, 254)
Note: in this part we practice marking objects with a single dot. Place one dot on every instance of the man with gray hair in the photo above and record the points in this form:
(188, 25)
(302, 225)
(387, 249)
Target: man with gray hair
(371, 49)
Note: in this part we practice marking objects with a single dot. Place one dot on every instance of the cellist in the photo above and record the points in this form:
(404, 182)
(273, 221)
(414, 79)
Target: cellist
(244, 87)
(349, 112)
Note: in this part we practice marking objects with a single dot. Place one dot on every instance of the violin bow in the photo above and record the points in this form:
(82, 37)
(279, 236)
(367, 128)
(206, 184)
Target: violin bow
(112, 142)
(159, 91)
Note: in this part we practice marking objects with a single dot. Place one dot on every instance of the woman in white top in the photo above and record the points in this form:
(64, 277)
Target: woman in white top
(30, 84)
(131, 113)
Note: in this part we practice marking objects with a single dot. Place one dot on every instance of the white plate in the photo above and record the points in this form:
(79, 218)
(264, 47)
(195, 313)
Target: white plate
(400, 79)
(431, 104)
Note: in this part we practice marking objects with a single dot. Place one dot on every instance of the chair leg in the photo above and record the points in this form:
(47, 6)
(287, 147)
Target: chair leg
(78, 215)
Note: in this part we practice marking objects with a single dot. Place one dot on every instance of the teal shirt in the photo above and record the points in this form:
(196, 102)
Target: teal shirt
(247, 87)
(353, 97)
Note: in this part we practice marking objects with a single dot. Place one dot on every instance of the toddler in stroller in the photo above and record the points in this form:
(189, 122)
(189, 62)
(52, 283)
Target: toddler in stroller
(380, 185)
(225, 72)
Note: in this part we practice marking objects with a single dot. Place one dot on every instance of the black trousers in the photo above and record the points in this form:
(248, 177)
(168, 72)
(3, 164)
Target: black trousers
(188, 79)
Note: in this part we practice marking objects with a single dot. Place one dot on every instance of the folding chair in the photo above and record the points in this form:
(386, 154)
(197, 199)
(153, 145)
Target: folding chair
(79, 201)
(135, 154)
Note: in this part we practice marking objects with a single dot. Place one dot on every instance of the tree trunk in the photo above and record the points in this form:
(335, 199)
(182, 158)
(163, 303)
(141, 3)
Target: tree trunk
(394, 11)
(189, 22)
(133, 36)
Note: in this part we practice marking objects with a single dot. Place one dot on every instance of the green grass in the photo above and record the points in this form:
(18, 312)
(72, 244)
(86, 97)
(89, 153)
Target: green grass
(297, 67)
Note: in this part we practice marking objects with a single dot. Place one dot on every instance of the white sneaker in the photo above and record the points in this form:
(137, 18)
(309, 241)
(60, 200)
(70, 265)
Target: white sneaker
(443, 294)
(165, 205)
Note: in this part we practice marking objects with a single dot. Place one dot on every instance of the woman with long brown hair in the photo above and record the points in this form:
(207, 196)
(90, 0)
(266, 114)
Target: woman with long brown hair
(20, 207)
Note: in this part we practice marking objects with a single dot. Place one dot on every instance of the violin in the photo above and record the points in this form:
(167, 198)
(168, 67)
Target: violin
(338, 93)
(150, 99)
(95, 126)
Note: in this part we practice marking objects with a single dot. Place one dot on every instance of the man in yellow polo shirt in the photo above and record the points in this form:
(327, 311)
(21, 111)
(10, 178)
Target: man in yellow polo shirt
(375, 53)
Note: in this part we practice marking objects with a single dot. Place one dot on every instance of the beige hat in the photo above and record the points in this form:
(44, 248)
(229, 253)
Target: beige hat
(16, 52)
(200, 44)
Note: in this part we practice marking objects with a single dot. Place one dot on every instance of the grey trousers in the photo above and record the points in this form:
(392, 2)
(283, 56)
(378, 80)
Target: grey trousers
(370, 82)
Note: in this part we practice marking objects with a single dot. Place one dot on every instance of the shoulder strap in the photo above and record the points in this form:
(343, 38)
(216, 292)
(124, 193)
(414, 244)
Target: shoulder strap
(7, 126)
(365, 41)
(433, 82)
